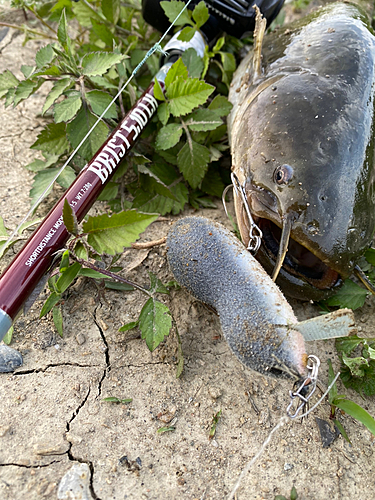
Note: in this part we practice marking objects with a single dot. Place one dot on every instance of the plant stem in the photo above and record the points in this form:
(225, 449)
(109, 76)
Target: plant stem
(31, 9)
(23, 27)
(110, 274)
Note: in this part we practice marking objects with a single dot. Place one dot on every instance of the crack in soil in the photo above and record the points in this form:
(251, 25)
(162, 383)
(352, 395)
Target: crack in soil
(106, 352)
(45, 368)
(31, 466)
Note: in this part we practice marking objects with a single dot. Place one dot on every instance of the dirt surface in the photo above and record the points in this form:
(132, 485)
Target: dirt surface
(52, 415)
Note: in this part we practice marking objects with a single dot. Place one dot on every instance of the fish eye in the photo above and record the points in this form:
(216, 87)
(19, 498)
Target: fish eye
(283, 174)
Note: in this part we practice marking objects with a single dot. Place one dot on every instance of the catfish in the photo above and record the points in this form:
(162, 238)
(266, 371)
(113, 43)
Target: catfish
(302, 143)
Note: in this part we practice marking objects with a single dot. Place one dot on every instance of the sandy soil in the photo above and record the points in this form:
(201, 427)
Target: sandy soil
(52, 415)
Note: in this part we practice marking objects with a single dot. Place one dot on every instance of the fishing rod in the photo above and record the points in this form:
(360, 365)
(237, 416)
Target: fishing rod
(26, 275)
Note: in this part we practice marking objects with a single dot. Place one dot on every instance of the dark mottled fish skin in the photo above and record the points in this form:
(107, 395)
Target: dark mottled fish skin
(312, 109)
(215, 267)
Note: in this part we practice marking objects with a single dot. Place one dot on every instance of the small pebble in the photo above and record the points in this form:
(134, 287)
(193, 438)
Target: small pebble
(75, 484)
(80, 338)
(288, 466)
(10, 359)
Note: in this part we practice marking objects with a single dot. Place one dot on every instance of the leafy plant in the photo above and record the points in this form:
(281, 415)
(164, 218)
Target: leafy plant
(5, 234)
(346, 405)
(293, 495)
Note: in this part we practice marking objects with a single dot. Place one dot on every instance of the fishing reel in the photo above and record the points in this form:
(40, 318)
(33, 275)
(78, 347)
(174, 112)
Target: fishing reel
(234, 17)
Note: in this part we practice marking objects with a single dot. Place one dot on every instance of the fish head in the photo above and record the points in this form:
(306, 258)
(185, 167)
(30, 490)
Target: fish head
(305, 162)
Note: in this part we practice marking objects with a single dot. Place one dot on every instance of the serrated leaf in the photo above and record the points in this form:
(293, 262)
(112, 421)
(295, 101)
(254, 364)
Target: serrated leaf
(99, 101)
(365, 385)
(193, 161)
(163, 113)
(185, 95)
(84, 13)
(98, 63)
(67, 109)
(176, 70)
(153, 184)
(109, 192)
(169, 136)
(52, 139)
(67, 277)
(200, 14)
(67, 177)
(58, 319)
(25, 89)
(56, 92)
(186, 34)
(69, 218)
(173, 9)
(41, 182)
(103, 32)
(102, 81)
(212, 183)
(203, 120)
(27, 70)
(350, 295)
(62, 33)
(111, 10)
(357, 412)
(110, 234)
(356, 365)
(220, 105)
(79, 127)
(158, 91)
(193, 62)
(155, 322)
(7, 81)
(49, 303)
(81, 251)
(44, 56)
(348, 344)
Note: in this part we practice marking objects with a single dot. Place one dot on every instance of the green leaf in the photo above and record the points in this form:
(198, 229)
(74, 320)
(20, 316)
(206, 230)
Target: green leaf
(203, 120)
(69, 218)
(220, 105)
(157, 285)
(58, 319)
(200, 14)
(91, 273)
(99, 101)
(176, 70)
(109, 192)
(129, 326)
(117, 285)
(153, 184)
(117, 400)
(27, 70)
(62, 33)
(67, 109)
(110, 234)
(65, 260)
(341, 429)
(169, 136)
(103, 33)
(80, 126)
(52, 139)
(59, 87)
(41, 182)
(3, 230)
(355, 365)
(155, 322)
(348, 344)
(84, 13)
(67, 277)
(111, 10)
(369, 255)
(26, 88)
(357, 412)
(7, 81)
(193, 62)
(67, 177)
(185, 95)
(170, 428)
(158, 91)
(49, 303)
(186, 34)
(44, 56)
(332, 395)
(350, 295)
(193, 162)
(212, 183)
(163, 113)
(293, 494)
(7, 339)
(98, 63)
(218, 45)
(172, 10)
(81, 251)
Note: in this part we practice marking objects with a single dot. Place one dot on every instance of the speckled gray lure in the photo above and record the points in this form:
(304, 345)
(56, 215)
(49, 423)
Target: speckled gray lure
(256, 319)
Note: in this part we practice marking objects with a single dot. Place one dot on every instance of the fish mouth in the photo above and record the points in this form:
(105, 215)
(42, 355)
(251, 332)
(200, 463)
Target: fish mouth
(298, 261)
(279, 253)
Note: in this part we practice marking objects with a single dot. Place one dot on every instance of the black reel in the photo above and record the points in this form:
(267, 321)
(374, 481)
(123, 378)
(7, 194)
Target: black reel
(235, 17)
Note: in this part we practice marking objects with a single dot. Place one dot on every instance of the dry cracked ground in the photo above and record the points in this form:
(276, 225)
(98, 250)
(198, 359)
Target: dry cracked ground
(52, 414)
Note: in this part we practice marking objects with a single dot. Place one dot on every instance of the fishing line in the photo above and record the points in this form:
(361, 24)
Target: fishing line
(155, 48)
(283, 420)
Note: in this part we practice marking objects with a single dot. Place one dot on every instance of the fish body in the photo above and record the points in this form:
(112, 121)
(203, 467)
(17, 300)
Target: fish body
(256, 319)
(302, 145)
